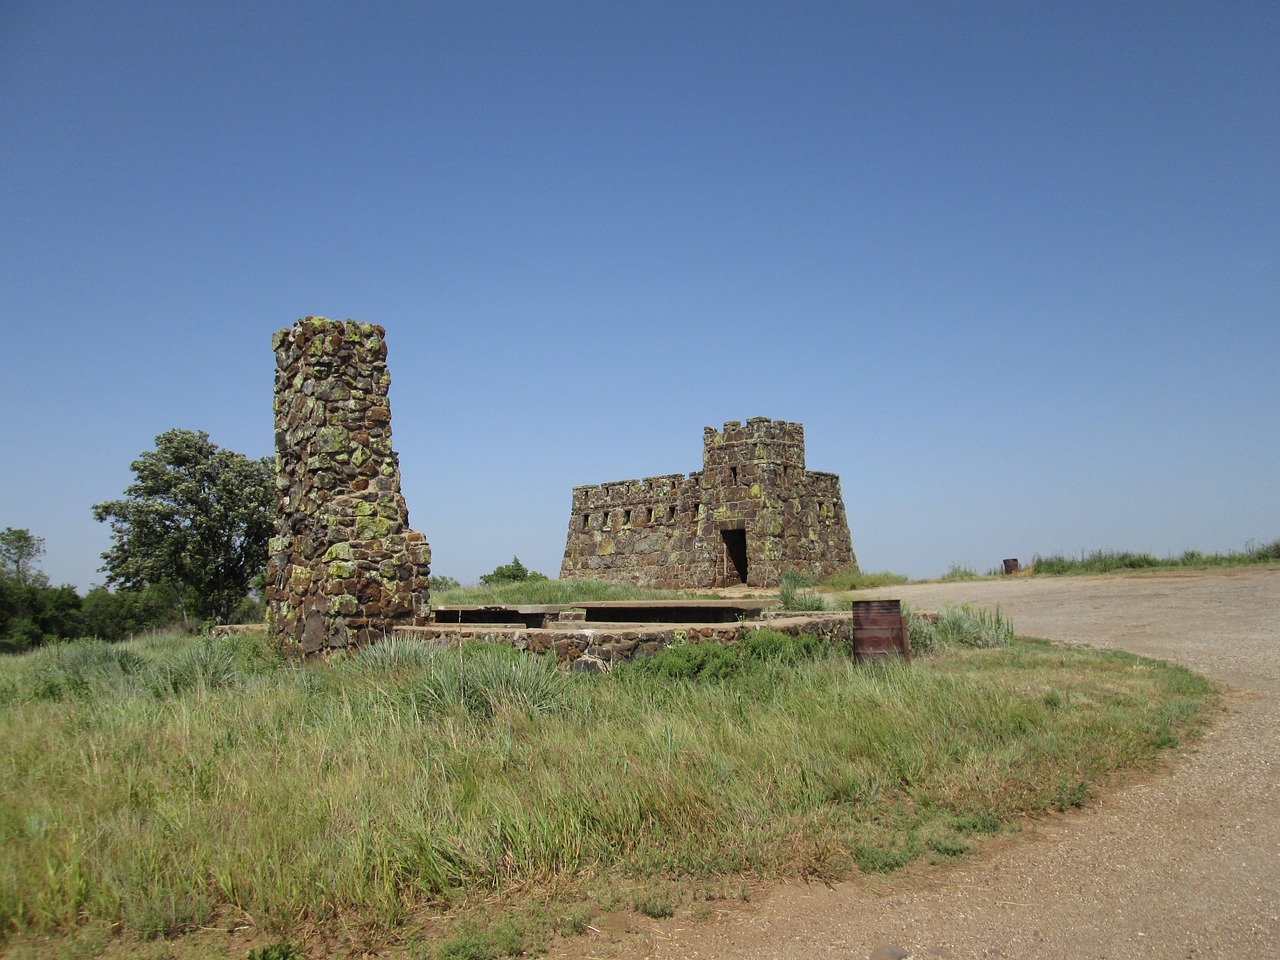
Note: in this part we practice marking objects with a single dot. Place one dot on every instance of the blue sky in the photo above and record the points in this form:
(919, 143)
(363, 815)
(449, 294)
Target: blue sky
(1015, 266)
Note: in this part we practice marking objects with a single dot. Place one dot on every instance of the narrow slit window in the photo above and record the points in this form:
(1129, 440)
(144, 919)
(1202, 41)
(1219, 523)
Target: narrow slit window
(586, 521)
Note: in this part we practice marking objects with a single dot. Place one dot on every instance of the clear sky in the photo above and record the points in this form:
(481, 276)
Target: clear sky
(1015, 266)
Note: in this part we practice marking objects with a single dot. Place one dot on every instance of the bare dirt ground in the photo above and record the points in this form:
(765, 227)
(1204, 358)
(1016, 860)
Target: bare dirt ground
(1181, 864)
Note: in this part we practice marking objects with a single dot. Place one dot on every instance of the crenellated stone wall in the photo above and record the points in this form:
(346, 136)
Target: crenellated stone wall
(753, 513)
(344, 567)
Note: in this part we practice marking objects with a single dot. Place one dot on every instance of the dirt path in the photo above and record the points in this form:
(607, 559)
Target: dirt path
(1183, 864)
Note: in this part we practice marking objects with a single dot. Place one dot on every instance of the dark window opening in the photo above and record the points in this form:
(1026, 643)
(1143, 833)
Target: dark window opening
(733, 472)
(586, 520)
(735, 549)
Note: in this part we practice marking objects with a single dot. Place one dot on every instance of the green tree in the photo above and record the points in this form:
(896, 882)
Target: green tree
(196, 518)
(32, 611)
(513, 572)
(116, 615)
(19, 551)
(440, 583)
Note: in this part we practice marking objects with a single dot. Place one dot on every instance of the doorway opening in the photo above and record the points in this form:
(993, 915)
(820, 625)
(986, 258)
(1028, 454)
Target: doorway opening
(735, 553)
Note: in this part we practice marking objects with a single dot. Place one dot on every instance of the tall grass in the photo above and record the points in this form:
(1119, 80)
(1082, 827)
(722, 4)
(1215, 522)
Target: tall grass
(958, 572)
(1111, 561)
(401, 776)
(795, 592)
(962, 626)
(855, 579)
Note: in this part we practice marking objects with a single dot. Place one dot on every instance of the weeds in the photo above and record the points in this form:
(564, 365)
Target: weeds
(962, 626)
(482, 685)
(795, 592)
(278, 951)
(959, 572)
(715, 662)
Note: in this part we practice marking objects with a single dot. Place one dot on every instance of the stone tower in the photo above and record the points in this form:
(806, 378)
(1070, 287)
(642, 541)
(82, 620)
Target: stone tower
(344, 567)
(754, 513)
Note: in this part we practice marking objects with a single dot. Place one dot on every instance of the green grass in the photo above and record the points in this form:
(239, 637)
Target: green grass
(158, 787)
(796, 593)
(553, 591)
(959, 571)
(855, 579)
(1111, 561)
(962, 626)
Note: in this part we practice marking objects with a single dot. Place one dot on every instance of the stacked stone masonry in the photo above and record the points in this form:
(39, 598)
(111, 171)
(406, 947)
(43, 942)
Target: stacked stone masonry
(344, 567)
(753, 513)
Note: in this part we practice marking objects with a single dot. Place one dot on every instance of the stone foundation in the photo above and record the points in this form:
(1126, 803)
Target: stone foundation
(600, 645)
(344, 567)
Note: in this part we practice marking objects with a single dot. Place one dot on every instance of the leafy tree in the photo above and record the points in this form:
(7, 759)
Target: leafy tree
(513, 572)
(30, 609)
(19, 551)
(196, 518)
(115, 615)
(440, 583)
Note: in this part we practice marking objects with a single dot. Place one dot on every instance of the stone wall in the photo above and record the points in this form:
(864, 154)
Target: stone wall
(344, 567)
(609, 644)
(753, 513)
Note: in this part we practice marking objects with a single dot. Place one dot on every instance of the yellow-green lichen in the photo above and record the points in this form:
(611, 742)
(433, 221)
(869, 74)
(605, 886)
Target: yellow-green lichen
(339, 551)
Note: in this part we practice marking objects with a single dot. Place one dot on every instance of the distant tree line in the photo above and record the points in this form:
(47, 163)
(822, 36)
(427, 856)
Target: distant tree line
(189, 544)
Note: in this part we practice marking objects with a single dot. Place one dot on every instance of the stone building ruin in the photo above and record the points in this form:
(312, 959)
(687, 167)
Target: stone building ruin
(753, 513)
(344, 568)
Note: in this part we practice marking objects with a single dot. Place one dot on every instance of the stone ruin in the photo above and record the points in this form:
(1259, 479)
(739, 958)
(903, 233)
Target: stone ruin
(344, 568)
(752, 514)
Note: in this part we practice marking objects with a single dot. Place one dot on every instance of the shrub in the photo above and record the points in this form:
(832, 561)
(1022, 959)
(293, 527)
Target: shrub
(715, 661)
(963, 626)
(959, 571)
(692, 661)
(81, 667)
(206, 665)
(970, 627)
(922, 635)
(513, 572)
(393, 653)
(770, 646)
(479, 679)
(795, 593)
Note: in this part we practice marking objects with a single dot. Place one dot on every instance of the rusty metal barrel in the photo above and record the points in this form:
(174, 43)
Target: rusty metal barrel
(879, 629)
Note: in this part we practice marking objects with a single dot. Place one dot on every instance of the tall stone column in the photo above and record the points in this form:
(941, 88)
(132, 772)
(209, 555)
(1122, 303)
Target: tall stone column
(344, 567)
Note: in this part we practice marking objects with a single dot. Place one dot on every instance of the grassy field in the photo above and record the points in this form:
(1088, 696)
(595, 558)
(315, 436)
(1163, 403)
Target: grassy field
(553, 591)
(1058, 564)
(1112, 561)
(478, 803)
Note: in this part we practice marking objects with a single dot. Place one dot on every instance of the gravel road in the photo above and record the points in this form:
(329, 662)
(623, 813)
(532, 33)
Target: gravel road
(1184, 863)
